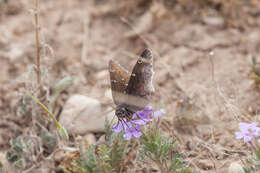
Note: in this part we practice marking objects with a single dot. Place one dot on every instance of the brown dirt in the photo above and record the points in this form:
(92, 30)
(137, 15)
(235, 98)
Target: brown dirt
(181, 42)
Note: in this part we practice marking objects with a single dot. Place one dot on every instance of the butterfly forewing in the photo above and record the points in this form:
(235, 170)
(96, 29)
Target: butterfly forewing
(131, 93)
(119, 78)
(140, 85)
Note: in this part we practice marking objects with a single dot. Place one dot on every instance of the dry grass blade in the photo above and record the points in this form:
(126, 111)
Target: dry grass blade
(37, 42)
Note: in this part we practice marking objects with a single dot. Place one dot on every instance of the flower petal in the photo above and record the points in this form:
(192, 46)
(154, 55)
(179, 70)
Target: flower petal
(254, 124)
(127, 136)
(134, 115)
(142, 114)
(139, 122)
(244, 126)
(118, 127)
(248, 138)
(137, 134)
(148, 108)
(158, 113)
(239, 135)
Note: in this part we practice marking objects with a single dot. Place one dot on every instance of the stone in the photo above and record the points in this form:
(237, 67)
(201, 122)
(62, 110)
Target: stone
(90, 138)
(101, 140)
(205, 164)
(82, 114)
(60, 155)
(235, 168)
(216, 21)
(64, 153)
(108, 94)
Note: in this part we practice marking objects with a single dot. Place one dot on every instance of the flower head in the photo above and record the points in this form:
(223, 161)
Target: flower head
(133, 127)
(248, 131)
(129, 127)
(133, 131)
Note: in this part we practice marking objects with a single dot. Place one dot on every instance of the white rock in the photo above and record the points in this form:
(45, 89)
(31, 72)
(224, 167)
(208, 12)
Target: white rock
(82, 114)
(235, 168)
(214, 21)
(101, 140)
(108, 94)
(60, 155)
(90, 138)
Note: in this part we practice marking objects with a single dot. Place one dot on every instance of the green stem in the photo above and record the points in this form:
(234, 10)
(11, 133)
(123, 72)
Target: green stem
(64, 133)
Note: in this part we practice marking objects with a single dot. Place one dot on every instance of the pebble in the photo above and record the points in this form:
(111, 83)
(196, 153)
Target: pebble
(82, 114)
(90, 138)
(235, 168)
(205, 164)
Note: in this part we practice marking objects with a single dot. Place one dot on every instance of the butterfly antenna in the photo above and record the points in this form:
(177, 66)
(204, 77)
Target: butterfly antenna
(107, 112)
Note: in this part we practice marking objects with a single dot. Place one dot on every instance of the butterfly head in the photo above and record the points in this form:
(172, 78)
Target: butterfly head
(147, 54)
(122, 111)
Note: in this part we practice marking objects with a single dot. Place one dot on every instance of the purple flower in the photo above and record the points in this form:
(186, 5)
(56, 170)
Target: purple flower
(130, 129)
(118, 127)
(133, 131)
(248, 131)
(133, 127)
(149, 113)
(158, 113)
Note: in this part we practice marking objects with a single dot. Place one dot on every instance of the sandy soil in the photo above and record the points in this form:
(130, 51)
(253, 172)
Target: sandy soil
(78, 38)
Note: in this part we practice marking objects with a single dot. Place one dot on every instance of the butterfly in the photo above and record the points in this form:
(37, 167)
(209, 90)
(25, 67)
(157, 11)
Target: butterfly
(131, 92)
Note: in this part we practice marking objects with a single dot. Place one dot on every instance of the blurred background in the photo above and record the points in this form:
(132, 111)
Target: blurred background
(187, 37)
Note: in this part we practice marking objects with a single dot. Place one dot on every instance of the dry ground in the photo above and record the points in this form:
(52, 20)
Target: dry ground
(78, 38)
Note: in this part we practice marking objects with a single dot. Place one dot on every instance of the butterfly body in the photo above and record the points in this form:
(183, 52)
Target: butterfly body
(132, 92)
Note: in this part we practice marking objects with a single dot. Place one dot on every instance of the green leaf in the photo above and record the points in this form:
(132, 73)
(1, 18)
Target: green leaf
(18, 145)
(158, 149)
(247, 170)
(63, 84)
(88, 159)
(19, 163)
(258, 154)
(63, 133)
(11, 157)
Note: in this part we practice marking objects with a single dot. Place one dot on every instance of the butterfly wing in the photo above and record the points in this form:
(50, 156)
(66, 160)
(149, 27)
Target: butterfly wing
(119, 78)
(140, 85)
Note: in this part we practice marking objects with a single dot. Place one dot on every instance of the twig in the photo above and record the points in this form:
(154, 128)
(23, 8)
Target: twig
(31, 168)
(229, 106)
(38, 63)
